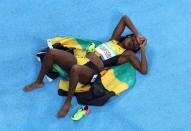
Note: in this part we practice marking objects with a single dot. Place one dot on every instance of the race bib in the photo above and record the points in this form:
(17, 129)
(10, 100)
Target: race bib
(108, 50)
(105, 52)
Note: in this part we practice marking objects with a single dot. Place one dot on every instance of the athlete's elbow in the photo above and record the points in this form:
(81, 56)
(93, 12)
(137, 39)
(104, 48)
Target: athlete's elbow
(144, 71)
(124, 18)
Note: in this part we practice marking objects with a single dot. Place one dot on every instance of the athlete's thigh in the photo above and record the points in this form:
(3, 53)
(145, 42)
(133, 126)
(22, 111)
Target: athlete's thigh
(85, 74)
(64, 59)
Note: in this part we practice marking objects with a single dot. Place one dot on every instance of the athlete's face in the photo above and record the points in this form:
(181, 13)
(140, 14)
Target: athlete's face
(131, 43)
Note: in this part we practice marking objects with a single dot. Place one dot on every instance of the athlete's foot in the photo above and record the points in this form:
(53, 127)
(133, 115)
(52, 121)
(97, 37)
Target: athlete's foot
(32, 86)
(64, 110)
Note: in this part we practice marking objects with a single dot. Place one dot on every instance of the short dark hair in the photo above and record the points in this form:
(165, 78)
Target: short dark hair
(129, 35)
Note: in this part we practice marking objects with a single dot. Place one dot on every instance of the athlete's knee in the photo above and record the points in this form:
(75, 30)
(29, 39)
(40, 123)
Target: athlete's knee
(51, 52)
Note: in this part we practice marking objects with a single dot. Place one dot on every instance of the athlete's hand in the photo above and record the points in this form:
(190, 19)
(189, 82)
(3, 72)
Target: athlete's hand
(144, 42)
(140, 39)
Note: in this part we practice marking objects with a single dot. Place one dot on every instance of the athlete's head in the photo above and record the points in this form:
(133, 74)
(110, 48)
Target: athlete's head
(130, 42)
